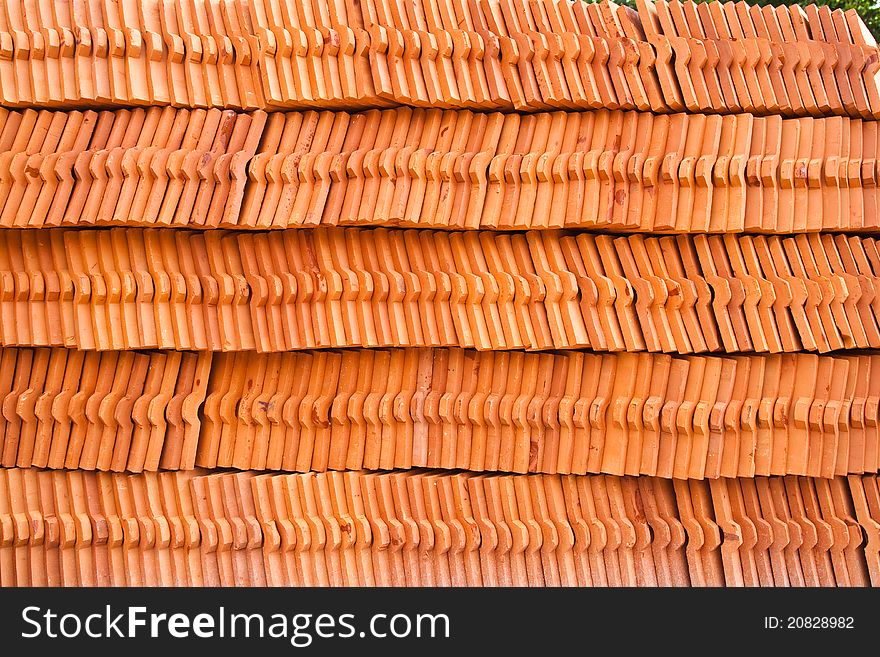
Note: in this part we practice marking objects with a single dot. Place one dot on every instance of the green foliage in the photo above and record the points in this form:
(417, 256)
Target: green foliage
(869, 10)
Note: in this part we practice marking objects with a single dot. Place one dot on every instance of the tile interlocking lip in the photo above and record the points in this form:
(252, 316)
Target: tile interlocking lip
(258, 54)
(425, 528)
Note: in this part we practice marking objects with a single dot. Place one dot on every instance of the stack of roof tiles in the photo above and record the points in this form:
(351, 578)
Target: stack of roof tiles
(438, 293)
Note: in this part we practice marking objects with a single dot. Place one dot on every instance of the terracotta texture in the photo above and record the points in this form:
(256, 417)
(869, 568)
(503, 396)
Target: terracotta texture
(524, 292)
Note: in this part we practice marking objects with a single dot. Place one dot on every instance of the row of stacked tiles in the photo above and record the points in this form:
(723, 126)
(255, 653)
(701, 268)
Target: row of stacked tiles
(513, 54)
(132, 288)
(453, 169)
(685, 417)
(434, 529)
